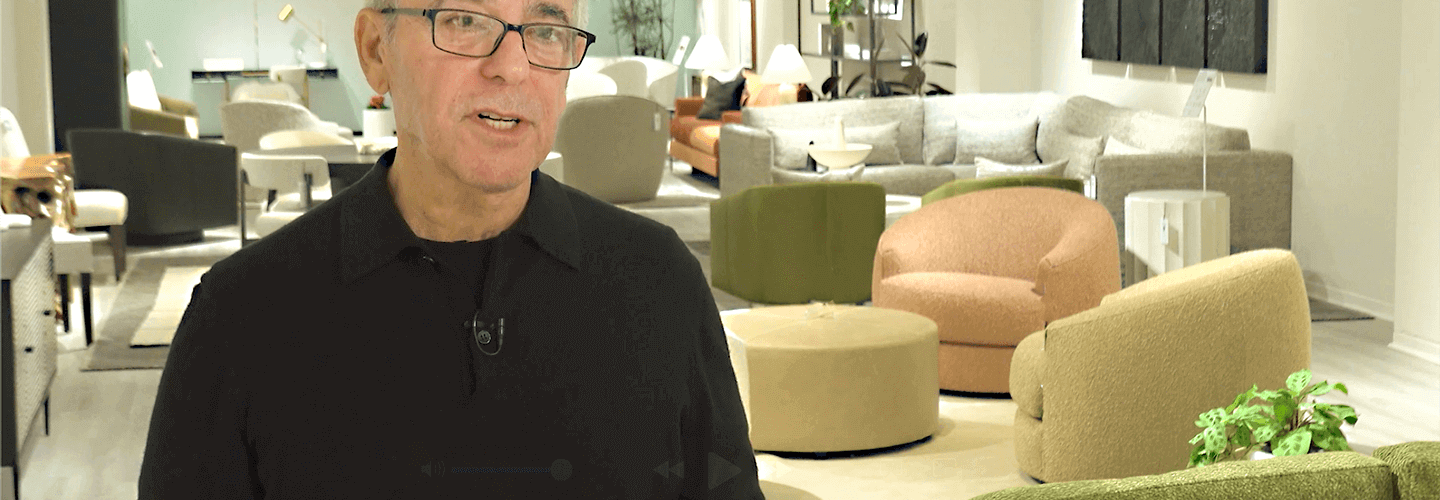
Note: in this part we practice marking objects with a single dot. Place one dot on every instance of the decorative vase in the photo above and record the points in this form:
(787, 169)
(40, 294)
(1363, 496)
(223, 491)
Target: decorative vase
(379, 123)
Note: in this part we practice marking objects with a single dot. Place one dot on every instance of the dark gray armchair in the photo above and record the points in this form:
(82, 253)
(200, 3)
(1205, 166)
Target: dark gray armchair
(177, 186)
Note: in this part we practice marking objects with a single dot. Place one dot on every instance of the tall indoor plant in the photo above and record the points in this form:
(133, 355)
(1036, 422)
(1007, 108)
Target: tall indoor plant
(1289, 421)
(643, 25)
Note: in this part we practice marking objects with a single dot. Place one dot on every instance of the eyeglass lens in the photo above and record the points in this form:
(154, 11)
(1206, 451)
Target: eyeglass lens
(472, 34)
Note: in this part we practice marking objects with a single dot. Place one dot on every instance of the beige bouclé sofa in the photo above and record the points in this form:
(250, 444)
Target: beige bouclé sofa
(1166, 151)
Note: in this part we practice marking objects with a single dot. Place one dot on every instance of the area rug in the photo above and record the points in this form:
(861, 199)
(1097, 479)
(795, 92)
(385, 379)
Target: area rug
(173, 297)
(1325, 311)
(138, 297)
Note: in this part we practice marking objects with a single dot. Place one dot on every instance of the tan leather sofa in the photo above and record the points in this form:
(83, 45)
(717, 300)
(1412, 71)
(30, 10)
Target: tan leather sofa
(1114, 391)
(696, 141)
(993, 266)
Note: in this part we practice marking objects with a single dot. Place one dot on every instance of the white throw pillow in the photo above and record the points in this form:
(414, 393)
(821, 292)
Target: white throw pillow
(1113, 146)
(792, 145)
(985, 168)
(783, 176)
(1008, 141)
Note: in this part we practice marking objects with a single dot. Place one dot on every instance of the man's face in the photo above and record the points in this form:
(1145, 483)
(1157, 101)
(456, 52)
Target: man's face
(487, 121)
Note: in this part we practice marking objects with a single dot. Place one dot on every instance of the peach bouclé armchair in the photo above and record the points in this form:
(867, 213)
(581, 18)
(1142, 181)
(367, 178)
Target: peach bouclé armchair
(990, 267)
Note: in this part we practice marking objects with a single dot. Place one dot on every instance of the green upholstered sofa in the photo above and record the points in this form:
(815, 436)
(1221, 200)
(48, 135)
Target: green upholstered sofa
(1407, 471)
(794, 243)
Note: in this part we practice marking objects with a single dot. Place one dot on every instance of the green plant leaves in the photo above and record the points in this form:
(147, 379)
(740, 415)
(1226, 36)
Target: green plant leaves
(1286, 419)
(1211, 418)
(1297, 381)
(1215, 440)
(1329, 438)
(1263, 434)
(1296, 442)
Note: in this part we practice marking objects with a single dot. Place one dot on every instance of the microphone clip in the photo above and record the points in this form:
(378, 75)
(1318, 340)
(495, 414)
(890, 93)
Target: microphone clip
(488, 336)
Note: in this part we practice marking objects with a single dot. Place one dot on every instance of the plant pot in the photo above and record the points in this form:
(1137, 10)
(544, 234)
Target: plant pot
(379, 123)
(1260, 455)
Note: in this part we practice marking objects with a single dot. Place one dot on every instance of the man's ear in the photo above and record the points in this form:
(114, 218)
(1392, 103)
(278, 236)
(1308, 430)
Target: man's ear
(371, 46)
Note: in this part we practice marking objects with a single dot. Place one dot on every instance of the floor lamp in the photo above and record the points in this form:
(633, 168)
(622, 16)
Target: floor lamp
(708, 55)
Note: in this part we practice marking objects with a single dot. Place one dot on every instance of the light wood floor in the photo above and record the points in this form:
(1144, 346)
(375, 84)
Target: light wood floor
(99, 421)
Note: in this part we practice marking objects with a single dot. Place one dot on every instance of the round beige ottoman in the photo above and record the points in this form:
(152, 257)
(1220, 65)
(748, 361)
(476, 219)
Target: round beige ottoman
(826, 378)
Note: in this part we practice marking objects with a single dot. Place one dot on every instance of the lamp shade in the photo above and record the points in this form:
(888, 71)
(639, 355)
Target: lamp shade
(707, 54)
(785, 66)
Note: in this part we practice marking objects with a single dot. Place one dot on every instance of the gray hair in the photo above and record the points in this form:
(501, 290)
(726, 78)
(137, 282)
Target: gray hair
(582, 12)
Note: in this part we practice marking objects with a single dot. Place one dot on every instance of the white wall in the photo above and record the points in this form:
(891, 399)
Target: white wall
(25, 70)
(996, 45)
(1417, 218)
(1329, 99)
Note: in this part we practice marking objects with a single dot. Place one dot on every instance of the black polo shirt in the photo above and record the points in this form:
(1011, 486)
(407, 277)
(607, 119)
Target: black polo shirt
(335, 359)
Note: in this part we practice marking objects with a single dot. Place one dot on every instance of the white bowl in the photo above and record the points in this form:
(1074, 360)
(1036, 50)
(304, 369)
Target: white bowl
(840, 157)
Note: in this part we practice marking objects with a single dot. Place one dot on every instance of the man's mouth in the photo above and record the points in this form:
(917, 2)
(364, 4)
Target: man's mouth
(499, 122)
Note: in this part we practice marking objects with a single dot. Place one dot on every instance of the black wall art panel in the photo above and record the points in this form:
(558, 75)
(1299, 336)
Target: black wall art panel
(1140, 31)
(1101, 30)
(1182, 33)
(1228, 35)
(1237, 35)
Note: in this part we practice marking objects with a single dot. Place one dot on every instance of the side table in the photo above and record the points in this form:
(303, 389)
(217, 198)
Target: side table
(1171, 229)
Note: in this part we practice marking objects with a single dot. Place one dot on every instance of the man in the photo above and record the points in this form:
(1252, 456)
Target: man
(455, 323)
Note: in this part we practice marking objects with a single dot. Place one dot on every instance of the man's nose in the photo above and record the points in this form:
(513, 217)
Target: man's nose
(509, 61)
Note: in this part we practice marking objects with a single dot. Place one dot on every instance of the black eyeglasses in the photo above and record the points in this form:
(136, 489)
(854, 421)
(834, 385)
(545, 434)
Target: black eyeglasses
(472, 34)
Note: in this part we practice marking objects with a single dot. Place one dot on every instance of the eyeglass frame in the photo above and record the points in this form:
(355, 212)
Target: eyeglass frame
(517, 28)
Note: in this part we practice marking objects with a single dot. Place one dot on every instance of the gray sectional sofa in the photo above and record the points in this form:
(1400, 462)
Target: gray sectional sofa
(934, 138)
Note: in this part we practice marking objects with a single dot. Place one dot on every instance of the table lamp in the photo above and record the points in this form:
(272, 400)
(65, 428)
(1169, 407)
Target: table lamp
(708, 54)
(287, 12)
(788, 69)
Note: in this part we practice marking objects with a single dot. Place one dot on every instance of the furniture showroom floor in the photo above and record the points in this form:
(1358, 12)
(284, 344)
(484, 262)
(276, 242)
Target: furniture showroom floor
(99, 419)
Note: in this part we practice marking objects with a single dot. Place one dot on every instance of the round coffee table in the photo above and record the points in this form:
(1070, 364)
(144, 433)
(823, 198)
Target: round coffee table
(827, 378)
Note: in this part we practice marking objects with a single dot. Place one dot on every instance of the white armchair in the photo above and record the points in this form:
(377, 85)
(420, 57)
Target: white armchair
(243, 123)
(295, 179)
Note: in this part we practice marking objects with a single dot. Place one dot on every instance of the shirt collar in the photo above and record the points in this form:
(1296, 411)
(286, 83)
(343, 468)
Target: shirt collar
(373, 233)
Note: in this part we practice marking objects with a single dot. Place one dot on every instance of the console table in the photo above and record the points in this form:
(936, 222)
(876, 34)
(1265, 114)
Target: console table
(27, 337)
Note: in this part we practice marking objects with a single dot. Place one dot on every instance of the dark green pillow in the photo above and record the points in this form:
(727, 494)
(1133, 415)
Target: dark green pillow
(720, 97)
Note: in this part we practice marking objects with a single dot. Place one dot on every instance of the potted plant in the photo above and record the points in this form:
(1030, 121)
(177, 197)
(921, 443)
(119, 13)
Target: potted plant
(841, 8)
(379, 119)
(1287, 422)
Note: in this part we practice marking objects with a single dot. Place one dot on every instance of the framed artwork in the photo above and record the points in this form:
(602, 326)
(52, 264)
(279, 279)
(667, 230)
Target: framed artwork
(1228, 35)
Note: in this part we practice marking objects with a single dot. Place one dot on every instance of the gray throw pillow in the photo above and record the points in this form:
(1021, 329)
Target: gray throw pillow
(985, 168)
(720, 97)
(1080, 150)
(792, 145)
(1011, 141)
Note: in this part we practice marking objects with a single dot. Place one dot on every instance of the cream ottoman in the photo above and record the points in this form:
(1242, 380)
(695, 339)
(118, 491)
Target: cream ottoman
(825, 378)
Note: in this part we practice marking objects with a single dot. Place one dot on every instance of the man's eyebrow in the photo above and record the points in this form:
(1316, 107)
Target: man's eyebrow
(550, 10)
(541, 9)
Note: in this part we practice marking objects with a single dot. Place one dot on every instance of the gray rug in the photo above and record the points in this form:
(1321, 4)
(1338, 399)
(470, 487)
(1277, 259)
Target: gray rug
(1325, 311)
(112, 350)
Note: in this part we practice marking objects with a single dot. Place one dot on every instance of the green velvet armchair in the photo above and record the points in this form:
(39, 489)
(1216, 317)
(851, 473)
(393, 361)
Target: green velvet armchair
(962, 186)
(796, 243)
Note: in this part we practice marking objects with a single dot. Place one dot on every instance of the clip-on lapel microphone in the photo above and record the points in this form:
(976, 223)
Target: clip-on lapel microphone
(488, 336)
